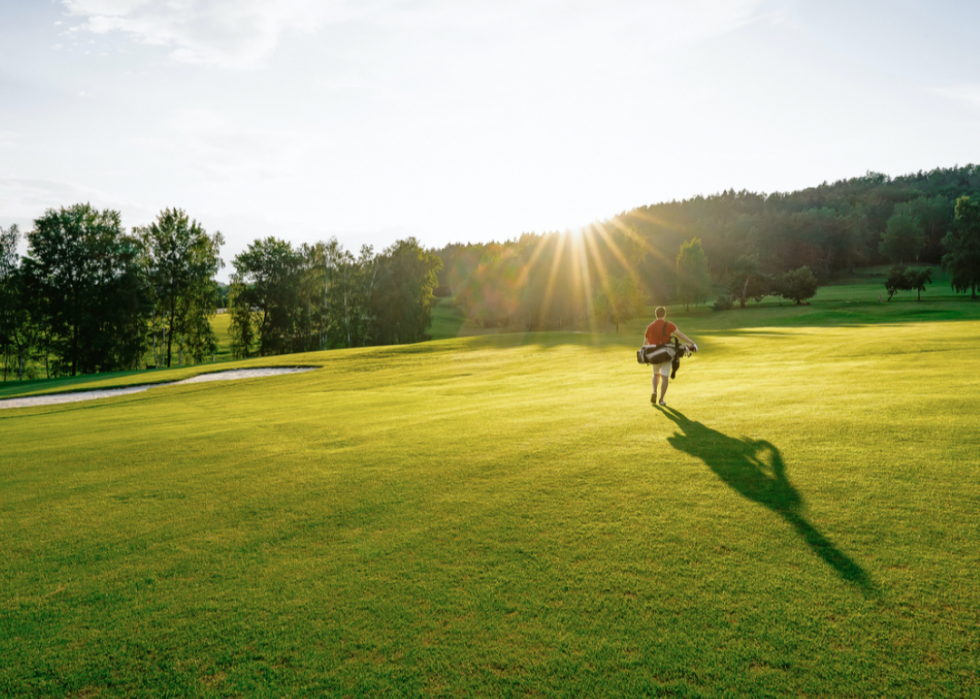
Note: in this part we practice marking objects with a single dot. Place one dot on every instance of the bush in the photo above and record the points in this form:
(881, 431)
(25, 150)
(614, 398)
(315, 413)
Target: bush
(724, 303)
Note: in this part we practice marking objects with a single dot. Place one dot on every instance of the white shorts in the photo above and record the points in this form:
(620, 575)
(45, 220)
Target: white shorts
(663, 368)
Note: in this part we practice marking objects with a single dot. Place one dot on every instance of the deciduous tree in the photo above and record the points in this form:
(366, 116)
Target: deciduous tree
(181, 263)
(10, 302)
(747, 280)
(903, 239)
(265, 298)
(896, 281)
(693, 278)
(799, 285)
(618, 300)
(83, 272)
(963, 243)
(401, 303)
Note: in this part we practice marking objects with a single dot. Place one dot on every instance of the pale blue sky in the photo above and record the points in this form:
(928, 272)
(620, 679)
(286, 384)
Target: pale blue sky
(466, 121)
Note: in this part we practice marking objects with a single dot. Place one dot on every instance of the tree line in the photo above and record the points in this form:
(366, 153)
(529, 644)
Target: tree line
(744, 245)
(91, 297)
(321, 296)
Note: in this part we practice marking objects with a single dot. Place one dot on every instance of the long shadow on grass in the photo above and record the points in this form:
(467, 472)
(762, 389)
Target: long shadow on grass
(754, 468)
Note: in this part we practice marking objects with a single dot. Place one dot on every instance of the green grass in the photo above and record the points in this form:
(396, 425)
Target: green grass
(508, 516)
(446, 320)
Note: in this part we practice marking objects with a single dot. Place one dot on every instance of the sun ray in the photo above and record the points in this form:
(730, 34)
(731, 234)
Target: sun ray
(631, 233)
(555, 266)
(602, 273)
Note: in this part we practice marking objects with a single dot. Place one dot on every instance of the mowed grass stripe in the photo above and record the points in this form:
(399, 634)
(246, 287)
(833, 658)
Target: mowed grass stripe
(506, 516)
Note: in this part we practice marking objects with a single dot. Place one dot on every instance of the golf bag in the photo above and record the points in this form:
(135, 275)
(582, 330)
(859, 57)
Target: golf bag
(658, 354)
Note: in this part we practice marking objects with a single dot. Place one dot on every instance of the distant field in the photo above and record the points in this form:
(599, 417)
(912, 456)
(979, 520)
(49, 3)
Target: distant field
(509, 516)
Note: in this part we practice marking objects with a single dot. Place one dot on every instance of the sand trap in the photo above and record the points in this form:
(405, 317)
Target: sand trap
(55, 398)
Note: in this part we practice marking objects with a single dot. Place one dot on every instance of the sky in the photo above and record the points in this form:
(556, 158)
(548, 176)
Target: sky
(456, 121)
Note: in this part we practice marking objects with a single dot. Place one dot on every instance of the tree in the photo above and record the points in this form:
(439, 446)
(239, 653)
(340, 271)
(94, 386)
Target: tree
(92, 299)
(401, 303)
(896, 281)
(799, 285)
(747, 281)
(361, 284)
(10, 302)
(917, 280)
(963, 242)
(903, 239)
(181, 262)
(619, 300)
(693, 278)
(935, 216)
(265, 298)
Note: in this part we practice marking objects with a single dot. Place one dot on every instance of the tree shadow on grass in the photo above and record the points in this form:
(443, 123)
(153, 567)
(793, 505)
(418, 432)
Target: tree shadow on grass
(754, 468)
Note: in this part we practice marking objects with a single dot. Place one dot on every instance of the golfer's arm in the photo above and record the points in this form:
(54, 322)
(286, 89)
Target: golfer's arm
(683, 337)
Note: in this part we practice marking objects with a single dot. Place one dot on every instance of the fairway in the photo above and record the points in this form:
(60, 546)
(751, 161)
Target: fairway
(508, 515)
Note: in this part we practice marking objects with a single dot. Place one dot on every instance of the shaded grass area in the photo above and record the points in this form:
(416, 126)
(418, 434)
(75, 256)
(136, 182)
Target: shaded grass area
(508, 516)
(446, 320)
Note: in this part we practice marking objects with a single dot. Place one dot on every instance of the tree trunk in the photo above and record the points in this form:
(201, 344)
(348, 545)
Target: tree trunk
(170, 335)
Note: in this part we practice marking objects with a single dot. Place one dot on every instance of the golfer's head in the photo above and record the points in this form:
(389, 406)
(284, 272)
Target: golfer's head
(661, 312)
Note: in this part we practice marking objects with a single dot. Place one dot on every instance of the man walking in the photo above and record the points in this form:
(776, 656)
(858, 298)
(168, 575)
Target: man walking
(659, 332)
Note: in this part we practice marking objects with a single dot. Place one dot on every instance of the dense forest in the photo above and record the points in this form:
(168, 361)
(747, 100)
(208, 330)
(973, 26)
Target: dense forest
(91, 297)
(745, 245)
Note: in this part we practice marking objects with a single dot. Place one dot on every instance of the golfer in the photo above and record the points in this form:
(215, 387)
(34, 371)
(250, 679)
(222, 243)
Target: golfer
(659, 332)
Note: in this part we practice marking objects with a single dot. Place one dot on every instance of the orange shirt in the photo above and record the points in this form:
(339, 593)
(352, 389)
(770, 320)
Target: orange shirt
(657, 334)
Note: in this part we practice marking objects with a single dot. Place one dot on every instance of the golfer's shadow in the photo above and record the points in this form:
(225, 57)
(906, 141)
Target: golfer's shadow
(754, 468)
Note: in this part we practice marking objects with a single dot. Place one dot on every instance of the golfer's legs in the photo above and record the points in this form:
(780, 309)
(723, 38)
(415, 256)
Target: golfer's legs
(663, 391)
(660, 372)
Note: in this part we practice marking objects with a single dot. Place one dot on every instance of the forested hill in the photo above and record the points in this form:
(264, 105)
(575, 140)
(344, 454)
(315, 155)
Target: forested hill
(829, 228)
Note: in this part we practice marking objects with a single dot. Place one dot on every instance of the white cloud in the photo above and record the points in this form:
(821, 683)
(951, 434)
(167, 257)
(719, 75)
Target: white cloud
(243, 33)
(224, 33)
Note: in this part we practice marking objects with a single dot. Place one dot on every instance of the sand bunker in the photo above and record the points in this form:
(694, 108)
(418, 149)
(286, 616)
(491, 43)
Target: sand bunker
(55, 398)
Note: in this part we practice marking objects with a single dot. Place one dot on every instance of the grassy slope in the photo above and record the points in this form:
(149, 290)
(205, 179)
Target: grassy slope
(508, 516)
